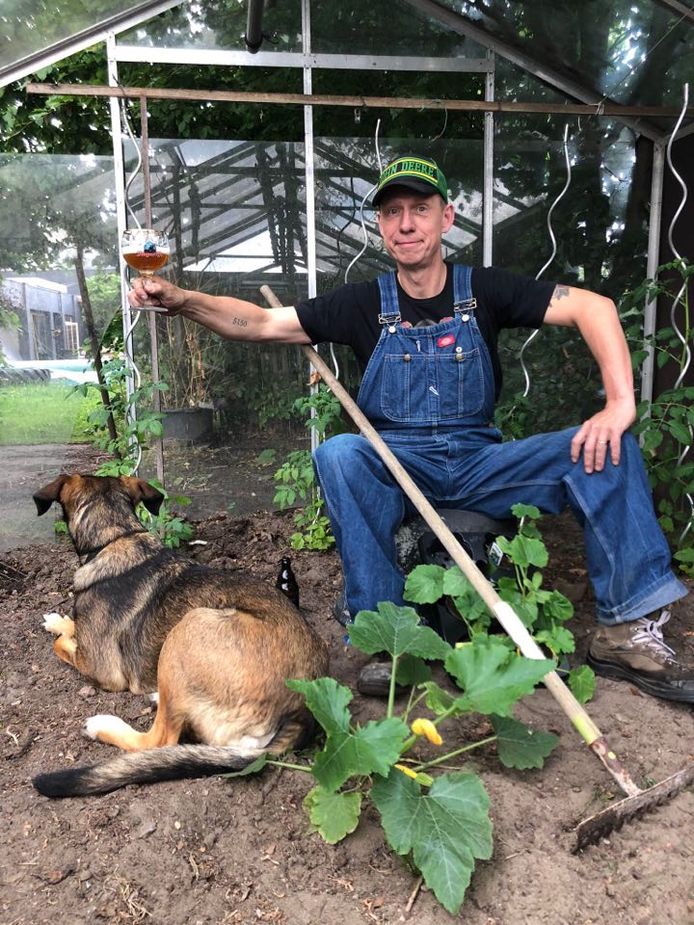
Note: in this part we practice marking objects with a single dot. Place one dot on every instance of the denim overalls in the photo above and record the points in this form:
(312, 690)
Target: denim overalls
(436, 377)
(429, 391)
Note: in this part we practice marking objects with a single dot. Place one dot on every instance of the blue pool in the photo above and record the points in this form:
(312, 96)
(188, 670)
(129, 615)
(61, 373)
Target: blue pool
(76, 371)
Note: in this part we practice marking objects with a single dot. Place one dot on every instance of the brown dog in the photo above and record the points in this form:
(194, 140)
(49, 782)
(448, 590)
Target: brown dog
(217, 648)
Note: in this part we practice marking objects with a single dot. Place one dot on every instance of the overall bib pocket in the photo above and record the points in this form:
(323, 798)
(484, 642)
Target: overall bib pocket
(433, 387)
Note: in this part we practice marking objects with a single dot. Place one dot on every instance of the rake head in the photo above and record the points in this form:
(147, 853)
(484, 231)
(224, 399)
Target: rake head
(600, 825)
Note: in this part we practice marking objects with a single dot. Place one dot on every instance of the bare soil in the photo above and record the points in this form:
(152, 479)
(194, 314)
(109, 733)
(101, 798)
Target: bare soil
(214, 851)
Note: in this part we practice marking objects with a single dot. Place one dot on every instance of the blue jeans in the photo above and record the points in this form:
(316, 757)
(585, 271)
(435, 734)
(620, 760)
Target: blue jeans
(627, 555)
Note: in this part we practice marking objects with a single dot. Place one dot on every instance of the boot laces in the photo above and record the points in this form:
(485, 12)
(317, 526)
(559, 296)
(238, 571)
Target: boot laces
(650, 634)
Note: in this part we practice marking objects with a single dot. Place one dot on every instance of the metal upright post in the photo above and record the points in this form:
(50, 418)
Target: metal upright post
(488, 170)
(654, 223)
(309, 170)
(152, 316)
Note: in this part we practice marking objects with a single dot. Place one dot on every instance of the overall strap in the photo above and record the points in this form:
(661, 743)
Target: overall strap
(463, 300)
(390, 306)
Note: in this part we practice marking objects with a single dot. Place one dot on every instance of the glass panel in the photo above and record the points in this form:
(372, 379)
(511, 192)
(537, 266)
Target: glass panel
(630, 51)
(221, 25)
(28, 26)
(600, 225)
(57, 222)
(234, 213)
(356, 28)
(385, 28)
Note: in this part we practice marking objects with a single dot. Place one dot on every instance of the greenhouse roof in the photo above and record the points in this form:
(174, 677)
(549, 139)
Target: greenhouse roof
(35, 34)
(628, 52)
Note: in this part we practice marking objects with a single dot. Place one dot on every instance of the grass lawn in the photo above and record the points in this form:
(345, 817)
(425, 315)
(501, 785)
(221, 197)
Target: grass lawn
(43, 412)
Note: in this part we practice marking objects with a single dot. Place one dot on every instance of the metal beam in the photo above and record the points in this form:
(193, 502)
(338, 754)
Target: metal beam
(686, 12)
(299, 60)
(549, 75)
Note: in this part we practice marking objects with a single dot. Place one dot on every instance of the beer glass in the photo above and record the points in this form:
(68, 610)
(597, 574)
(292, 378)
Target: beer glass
(145, 250)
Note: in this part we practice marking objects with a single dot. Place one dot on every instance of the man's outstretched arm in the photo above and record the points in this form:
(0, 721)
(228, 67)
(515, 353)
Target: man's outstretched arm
(231, 318)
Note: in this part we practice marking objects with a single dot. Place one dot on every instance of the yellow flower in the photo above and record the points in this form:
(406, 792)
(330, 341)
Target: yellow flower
(408, 772)
(425, 727)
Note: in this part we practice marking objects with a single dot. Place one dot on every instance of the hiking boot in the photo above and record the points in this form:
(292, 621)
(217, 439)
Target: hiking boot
(374, 678)
(637, 652)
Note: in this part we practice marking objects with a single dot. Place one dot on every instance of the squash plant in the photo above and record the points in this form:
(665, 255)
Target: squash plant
(438, 821)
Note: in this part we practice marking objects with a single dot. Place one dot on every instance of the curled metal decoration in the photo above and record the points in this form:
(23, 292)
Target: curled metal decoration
(138, 164)
(551, 257)
(687, 353)
(365, 236)
(364, 232)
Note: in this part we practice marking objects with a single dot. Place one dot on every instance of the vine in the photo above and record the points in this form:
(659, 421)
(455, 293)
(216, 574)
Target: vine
(665, 426)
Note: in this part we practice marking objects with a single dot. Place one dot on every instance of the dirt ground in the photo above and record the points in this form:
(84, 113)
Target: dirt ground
(216, 851)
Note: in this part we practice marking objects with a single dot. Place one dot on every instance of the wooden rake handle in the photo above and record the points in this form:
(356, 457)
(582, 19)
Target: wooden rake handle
(503, 611)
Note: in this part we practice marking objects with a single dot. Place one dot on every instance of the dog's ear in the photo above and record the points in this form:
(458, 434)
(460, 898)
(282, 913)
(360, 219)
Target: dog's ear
(141, 491)
(45, 496)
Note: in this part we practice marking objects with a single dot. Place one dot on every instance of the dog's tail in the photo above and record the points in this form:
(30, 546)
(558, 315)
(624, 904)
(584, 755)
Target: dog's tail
(172, 762)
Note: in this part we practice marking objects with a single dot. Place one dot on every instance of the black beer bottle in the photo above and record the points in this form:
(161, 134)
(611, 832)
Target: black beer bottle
(286, 581)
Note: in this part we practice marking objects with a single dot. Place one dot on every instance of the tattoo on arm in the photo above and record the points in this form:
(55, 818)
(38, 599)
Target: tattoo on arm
(242, 323)
(559, 292)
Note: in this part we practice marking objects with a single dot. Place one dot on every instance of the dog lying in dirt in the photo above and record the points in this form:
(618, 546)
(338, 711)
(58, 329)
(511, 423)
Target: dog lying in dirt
(218, 648)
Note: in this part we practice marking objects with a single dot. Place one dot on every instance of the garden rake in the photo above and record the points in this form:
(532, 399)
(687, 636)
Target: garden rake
(636, 800)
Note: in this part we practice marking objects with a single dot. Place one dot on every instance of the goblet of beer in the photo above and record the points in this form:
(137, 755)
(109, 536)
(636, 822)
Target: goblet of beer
(145, 250)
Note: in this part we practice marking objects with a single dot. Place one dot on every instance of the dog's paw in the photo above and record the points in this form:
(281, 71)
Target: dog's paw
(103, 725)
(55, 624)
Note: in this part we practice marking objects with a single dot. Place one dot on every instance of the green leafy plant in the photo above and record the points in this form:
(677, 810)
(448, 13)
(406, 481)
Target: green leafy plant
(544, 612)
(665, 426)
(171, 528)
(438, 821)
(131, 430)
(296, 480)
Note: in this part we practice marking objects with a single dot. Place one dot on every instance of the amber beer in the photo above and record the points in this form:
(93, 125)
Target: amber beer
(146, 262)
(145, 249)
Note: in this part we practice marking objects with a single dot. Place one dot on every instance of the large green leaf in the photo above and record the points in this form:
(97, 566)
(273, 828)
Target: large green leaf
(327, 700)
(424, 584)
(529, 511)
(374, 748)
(582, 683)
(412, 670)
(524, 550)
(446, 828)
(333, 814)
(558, 638)
(396, 630)
(520, 747)
(492, 677)
(559, 606)
(455, 583)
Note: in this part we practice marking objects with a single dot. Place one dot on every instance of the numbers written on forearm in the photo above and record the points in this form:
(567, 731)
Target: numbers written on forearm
(241, 322)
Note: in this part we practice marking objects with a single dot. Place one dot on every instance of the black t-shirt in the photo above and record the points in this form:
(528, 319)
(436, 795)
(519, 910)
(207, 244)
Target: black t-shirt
(349, 314)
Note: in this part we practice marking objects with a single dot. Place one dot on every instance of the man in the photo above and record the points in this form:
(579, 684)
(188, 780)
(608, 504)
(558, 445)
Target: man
(425, 337)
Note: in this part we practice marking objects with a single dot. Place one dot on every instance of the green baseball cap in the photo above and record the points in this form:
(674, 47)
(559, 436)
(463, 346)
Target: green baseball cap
(415, 173)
